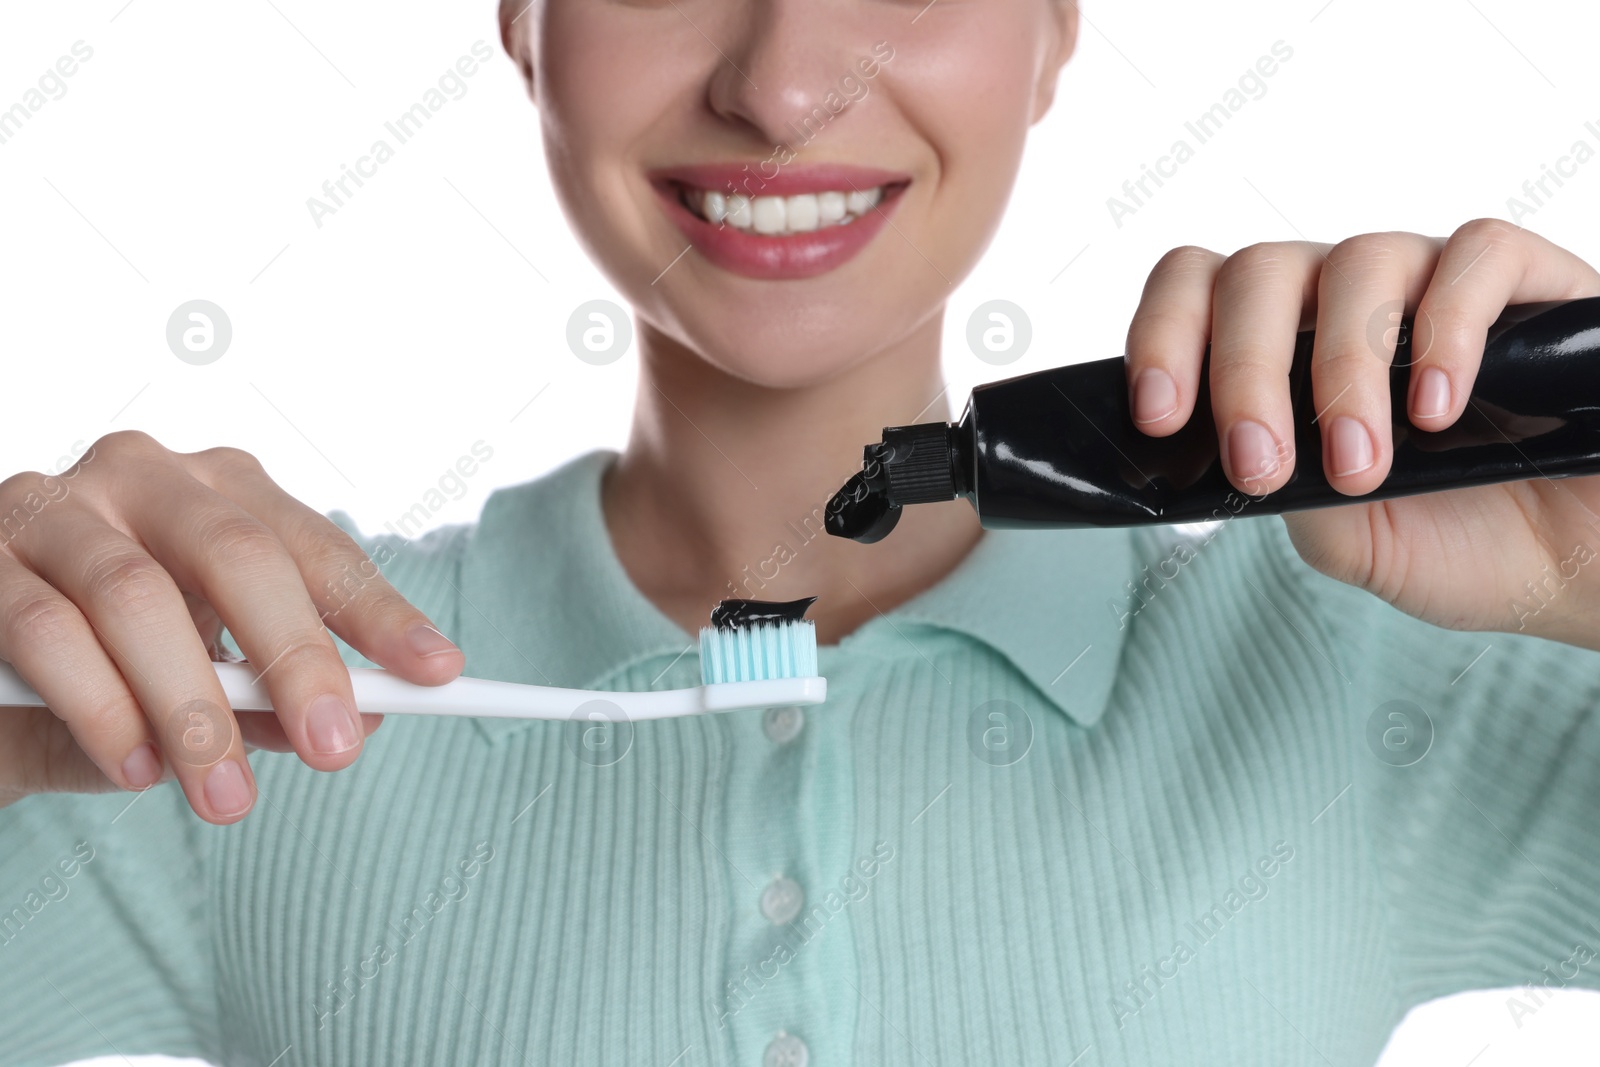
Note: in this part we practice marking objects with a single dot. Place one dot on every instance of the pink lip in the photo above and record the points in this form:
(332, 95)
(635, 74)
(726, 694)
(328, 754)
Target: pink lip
(804, 255)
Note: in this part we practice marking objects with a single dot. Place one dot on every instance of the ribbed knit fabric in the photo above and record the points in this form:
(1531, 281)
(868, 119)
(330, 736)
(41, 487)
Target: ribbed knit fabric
(1039, 821)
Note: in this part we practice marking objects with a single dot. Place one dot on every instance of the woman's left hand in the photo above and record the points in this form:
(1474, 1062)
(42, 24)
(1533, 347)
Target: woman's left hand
(1459, 558)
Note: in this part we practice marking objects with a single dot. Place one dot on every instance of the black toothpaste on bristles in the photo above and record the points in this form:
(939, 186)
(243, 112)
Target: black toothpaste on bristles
(758, 640)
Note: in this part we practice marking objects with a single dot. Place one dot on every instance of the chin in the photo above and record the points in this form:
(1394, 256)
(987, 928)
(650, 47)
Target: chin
(780, 352)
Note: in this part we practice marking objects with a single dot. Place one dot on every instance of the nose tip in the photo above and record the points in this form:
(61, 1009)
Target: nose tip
(778, 65)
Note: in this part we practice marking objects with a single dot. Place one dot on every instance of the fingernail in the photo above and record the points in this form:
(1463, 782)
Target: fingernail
(1155, 395)
(142, 768)
(426, 641)
(331, 725)
(1433, 393)
(1350, 445)
(1252, 451)
(226, 790)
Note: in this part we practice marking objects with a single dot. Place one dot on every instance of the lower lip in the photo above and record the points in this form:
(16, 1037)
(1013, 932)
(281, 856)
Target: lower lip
(754, 255)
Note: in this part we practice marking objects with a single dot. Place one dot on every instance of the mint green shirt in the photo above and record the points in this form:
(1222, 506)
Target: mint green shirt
(1232, 812)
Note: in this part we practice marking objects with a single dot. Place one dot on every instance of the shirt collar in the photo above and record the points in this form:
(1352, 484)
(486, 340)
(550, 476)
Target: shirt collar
(545, 600)
(1046, 600)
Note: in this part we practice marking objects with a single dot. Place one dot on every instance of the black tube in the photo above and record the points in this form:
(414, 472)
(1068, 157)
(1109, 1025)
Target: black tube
(1058, 448)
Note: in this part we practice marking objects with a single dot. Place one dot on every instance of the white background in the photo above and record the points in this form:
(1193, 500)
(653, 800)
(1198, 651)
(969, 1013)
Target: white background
(370, 354)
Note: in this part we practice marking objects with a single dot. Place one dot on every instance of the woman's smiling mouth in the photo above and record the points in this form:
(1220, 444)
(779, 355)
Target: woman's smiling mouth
(804, 221)
(779, 216)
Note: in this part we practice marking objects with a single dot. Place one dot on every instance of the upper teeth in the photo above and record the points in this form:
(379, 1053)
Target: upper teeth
(775, 215)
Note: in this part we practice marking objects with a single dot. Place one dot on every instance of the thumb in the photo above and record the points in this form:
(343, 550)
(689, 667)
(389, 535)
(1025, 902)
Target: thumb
(38, 754)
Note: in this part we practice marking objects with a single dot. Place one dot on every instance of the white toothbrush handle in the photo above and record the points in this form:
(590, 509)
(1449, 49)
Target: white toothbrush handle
(379, 691)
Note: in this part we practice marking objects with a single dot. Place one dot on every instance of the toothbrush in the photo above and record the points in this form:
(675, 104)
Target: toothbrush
(755, 654)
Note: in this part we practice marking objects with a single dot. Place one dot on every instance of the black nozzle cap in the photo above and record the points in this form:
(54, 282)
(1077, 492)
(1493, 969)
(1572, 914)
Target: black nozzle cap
(912, 465)
(919, 462)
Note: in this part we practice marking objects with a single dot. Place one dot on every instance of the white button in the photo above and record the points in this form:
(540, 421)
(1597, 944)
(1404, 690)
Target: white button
(786, 1050)
(782, 900)
(783, 724)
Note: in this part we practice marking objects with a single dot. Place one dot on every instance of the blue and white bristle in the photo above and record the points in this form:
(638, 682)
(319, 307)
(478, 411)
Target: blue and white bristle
(786, 649)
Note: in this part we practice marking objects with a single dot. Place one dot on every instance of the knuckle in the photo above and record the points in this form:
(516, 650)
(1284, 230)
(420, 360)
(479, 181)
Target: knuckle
(235, 538)
(325, 554)
(334, 554)
(105, 718)
(133, 443)
(322, 539)
(128, 581)
(1186, 259)
(304, 656)
(1487, 231)
(1366, 251)
(345, 565)
(1349, 379)
(45, 619)
(354, 593)
(1252, 263)
(226, 461)
(1346, 362)
(115, 454)
(22, 487)
(1245, 365)
(24, 497)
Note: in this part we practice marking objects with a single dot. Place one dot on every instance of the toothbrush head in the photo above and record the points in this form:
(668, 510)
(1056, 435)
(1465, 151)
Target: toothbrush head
(758, 640)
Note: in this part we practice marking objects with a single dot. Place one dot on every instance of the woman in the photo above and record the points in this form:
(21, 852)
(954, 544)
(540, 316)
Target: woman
(1051, 812)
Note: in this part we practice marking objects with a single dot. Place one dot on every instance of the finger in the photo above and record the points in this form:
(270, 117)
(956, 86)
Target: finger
(1364, 280)
(209, 626)
(52, 647)
(1167, 339)
(140, 619)
(38, 754)
(263, 729)
(1486, 265)
(223, 554)
(1260, 296)
(347, 587)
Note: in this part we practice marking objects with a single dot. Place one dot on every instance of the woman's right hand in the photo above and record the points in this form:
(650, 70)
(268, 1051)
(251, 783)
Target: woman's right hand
(116, 578)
